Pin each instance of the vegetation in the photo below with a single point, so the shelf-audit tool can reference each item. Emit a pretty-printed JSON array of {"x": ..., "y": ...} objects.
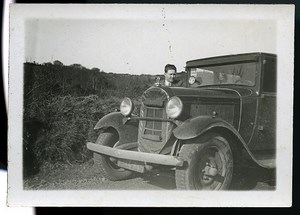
[{"x": 63, "y": 103}]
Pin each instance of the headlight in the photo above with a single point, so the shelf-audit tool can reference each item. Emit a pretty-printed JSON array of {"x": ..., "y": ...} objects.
[
  {"x": 174, "y": 107},
  {"x": 126, "y": 106}
]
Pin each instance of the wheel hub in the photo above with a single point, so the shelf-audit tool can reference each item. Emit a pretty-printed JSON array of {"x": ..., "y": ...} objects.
[{"x": 209, "y": 171}]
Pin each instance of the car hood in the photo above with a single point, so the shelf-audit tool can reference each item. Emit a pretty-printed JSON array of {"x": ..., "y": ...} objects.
[{"x": 210, "y": 92}]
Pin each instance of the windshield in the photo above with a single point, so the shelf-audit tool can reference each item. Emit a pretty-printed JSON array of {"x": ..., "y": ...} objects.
[{"x": 239, "y": 74}]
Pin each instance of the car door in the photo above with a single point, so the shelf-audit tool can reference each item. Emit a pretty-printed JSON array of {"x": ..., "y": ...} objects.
[{"x": 266, "y": 124}]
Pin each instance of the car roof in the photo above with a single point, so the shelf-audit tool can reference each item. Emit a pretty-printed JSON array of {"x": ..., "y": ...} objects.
[{"x": 227, "y": 59}]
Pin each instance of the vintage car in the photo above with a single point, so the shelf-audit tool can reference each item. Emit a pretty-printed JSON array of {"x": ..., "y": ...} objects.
[{"x": 222, "y": 122}]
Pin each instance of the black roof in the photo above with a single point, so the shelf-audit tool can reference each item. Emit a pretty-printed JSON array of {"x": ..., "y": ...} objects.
[{"x": 227, "y": 59}]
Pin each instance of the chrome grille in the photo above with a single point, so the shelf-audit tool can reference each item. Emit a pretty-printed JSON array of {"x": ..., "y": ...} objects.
[
  {"x": 151, "y": 126},
  {"x": 153, "y": 134}
]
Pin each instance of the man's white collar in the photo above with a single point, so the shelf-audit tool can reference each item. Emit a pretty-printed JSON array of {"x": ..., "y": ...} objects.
[{"x": 167, "y": 83}]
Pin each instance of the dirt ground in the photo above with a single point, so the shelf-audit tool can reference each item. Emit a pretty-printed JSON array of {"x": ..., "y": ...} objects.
[{"x": 87, "y": 177}]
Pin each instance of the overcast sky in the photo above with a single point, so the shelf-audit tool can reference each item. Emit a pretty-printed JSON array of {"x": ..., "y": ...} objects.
[{"x": 143, "y": 46}]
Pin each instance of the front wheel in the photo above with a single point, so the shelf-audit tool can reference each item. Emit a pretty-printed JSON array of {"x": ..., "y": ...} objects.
[
  {"x": 106, "y": 164},
  {"x": 209, "y": 165}
]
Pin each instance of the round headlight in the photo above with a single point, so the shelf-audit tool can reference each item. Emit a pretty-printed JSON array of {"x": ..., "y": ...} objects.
[
  {"x": 126, "y": 106},
  {"x": 174, "y": 107}
]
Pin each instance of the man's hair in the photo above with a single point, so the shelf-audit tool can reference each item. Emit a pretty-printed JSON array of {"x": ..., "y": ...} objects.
[{"x": 170, "y": 66}]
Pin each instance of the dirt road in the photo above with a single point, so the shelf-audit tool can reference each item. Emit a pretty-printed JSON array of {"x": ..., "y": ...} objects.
[{"x": 83, "y": 177}]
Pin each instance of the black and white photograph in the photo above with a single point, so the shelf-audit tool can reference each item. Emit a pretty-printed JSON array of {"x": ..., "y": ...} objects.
[{"x": 150, "y": 105}]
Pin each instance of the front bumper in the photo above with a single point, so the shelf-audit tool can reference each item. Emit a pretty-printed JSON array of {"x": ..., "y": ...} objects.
[{"x": 136, "y": 156}]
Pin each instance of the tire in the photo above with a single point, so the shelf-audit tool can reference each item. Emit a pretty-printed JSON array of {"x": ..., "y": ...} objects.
[
  {"x": 209, "y": 165},
  {"x": 103, "y": 163}
]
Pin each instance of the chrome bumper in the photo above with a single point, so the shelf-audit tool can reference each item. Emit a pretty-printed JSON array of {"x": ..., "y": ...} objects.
[{"x": 136, "y": 156}]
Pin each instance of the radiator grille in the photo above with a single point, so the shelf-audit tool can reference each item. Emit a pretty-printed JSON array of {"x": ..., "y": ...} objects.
[
  {"x": 154, "y": 134},
  {"x": 151, "y": 126}
]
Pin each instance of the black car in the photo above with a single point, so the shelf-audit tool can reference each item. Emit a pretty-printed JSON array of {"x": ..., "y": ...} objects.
[{"x": 222, "y": 122}]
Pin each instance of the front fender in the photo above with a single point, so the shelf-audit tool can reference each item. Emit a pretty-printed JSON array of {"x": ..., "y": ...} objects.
[
  {"x": 197, "y": 126},
  {"x": 194, "y": 127},
  {"x": 128, "y": 132}
]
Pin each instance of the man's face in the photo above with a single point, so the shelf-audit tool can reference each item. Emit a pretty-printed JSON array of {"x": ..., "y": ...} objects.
[
  {"x": 170, "y": 75},
  {"x": 222, "y": 77}
]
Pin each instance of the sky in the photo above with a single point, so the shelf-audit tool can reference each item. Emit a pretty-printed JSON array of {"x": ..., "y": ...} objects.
[{"x": 143, "y": 46}]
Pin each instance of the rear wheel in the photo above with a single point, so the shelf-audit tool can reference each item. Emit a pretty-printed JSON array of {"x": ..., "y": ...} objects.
[
  {"x": 106, "y": 164},
  {"x": 209, "y": 165}
]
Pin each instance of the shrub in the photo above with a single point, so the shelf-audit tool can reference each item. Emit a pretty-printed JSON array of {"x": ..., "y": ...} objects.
[{"x": 67, "y": 125}]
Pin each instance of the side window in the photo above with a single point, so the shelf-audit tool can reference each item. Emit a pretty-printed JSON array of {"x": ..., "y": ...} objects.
[{"x": 270, "y": 74}]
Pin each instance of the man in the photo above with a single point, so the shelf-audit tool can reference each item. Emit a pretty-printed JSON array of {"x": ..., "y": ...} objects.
[
  {"x": 170, "y": 77},
  {"x": 222, "y": 78}
]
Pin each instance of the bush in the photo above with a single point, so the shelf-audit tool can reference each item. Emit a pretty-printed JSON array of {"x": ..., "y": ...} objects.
[{"x": 68, "y": 124}]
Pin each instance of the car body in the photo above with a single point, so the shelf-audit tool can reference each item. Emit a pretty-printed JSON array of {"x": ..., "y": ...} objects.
[{"x": 222, "y": 122}]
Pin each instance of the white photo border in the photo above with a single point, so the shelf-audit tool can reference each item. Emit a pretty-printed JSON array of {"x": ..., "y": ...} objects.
[{"x": 281, "y": 197}]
